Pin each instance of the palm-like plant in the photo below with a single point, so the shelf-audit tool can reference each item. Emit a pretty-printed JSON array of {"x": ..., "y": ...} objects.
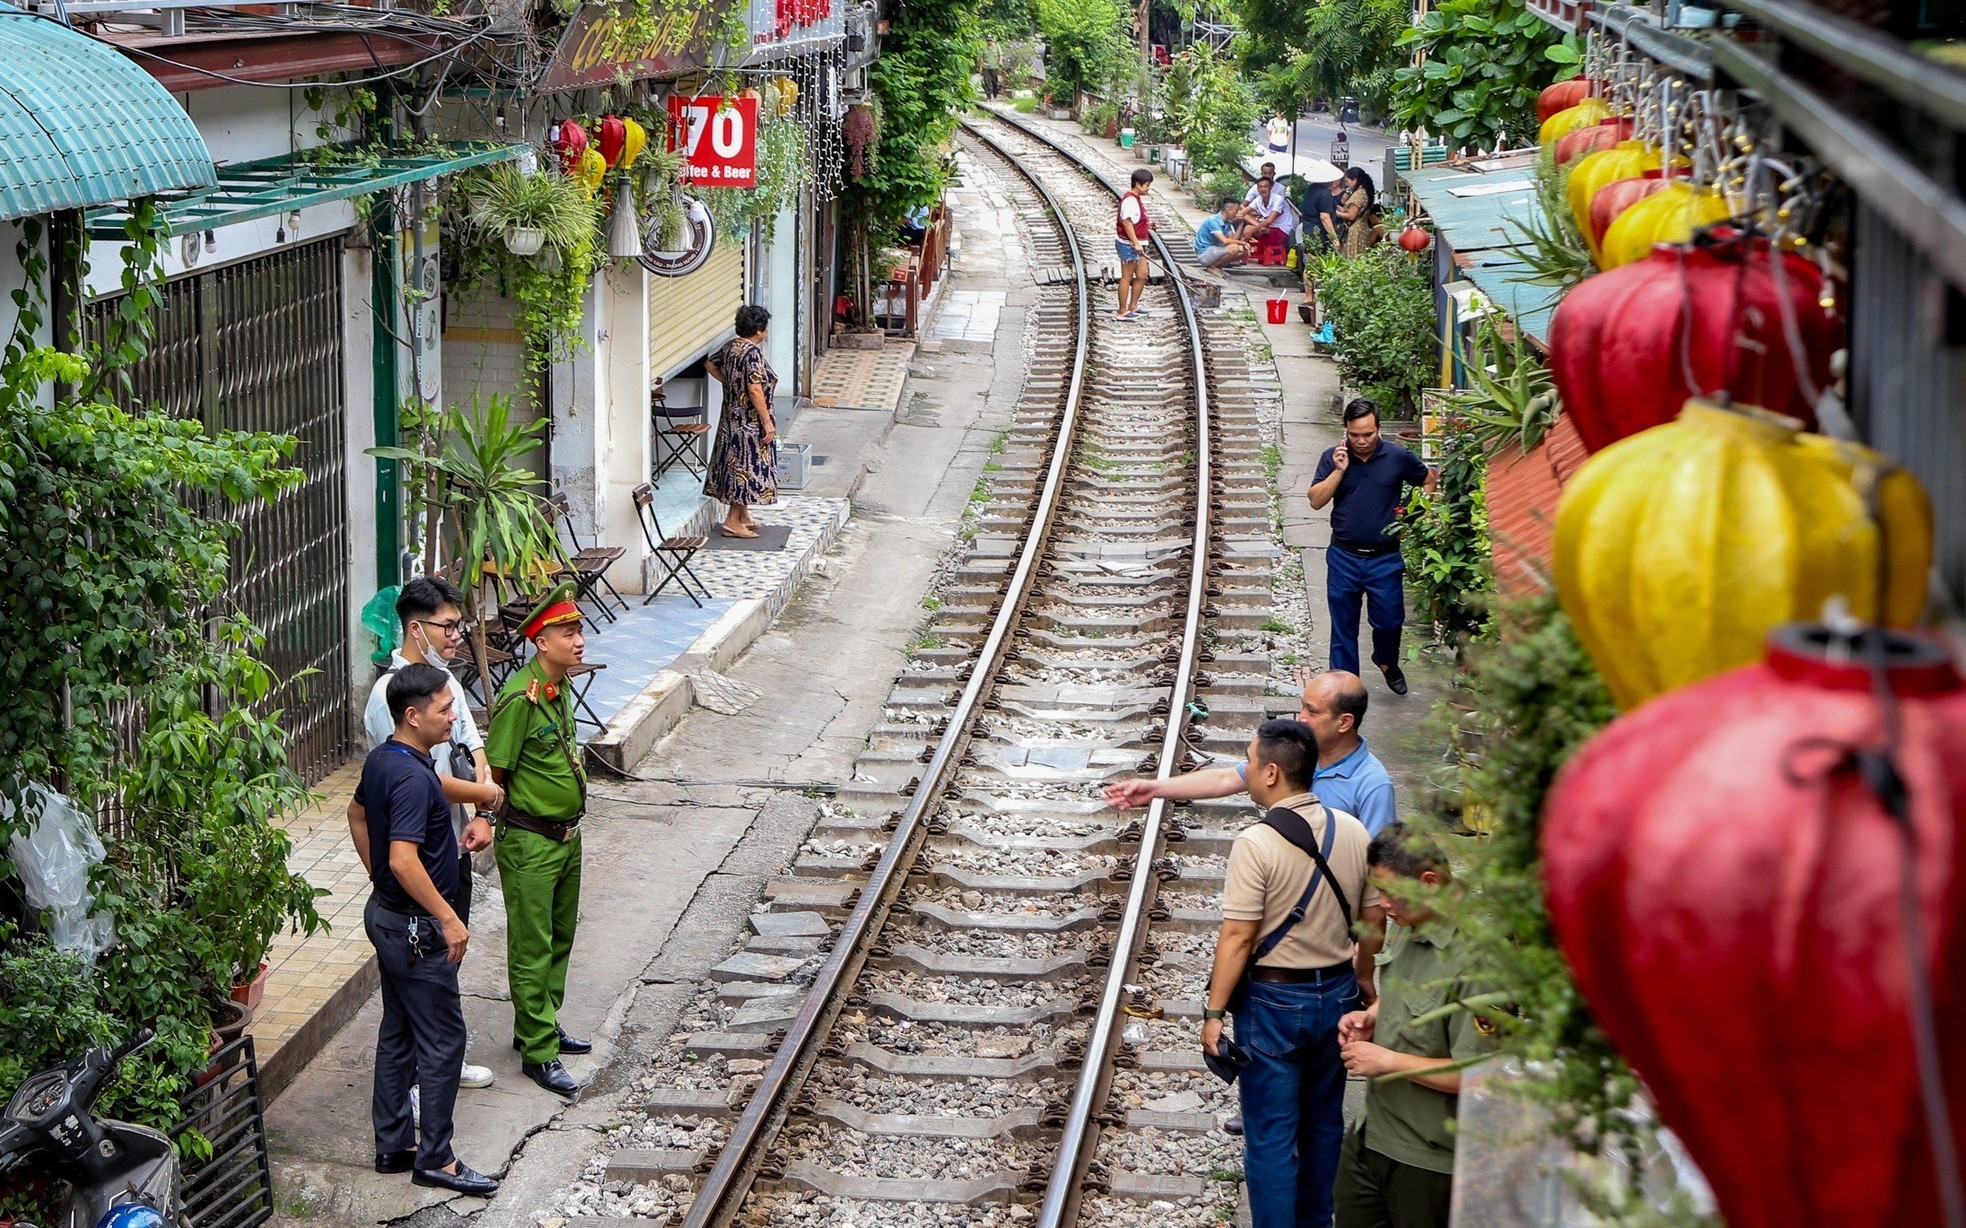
[{"x": 492, "y": 504}]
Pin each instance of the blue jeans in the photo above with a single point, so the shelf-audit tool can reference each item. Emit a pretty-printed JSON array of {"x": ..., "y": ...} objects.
[
  {"x": 1376, "y": 581},
  {"x": 1128, "y": 252},
  {"x": 1293, "y": 1099}
]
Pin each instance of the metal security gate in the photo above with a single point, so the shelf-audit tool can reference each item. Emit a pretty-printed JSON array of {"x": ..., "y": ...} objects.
[{"x": 257, "y": 346}]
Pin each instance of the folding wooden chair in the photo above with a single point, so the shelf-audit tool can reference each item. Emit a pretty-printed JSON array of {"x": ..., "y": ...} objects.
[
  {"x": 679, "y": 430},
  {"x": 588, "y": 565},
  {"x": 672, "y": 554}
]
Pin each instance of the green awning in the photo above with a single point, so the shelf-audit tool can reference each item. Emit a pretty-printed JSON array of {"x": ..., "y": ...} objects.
[
  {"x": 81, "y": 125},
  {"x": 248, "y": 191}
]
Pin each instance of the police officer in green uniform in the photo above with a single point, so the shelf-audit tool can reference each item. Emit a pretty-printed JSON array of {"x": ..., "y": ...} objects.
[
  {"x": 1397, "y": 1167},
  {"x": 533, "y": 754}
]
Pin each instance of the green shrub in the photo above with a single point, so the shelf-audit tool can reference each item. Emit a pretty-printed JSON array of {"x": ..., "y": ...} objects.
[
  {"x": 1381, "y": 309},
  {"x": 1025, "y": 104}
]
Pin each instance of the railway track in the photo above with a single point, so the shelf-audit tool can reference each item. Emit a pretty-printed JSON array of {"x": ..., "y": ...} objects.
[{"x": 1002, "y": 1029}]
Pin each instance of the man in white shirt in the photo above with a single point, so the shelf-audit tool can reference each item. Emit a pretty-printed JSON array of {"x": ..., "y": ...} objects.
[
  {"x": 1268, "y": 206},
  {"x": 431, "y": 612}
]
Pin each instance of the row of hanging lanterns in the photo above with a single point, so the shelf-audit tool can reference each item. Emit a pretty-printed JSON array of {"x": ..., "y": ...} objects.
[{"x": 1758, "y": 872}]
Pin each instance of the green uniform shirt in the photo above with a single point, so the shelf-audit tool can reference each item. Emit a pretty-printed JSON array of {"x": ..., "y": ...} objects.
[
  {"x": 532, "y": 740},
  {"x": 1403, "y": 1120}
]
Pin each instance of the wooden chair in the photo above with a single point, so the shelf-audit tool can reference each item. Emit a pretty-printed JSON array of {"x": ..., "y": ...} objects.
[
  {"x": 679, "y": 430},
  {"x": 672, "y": 554},
  {"x": 588, "y": 564}
]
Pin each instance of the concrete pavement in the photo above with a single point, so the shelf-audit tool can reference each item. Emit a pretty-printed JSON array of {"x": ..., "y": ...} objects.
[{"x": 676, "y": 857}]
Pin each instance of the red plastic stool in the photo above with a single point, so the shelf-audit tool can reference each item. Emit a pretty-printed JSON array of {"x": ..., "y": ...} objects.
[{"x": 1272, "y": 247}]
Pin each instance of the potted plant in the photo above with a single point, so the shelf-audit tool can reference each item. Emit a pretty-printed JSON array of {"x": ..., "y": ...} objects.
[
  {"x": 491, "y": 502},
  {"x": 532, "y": 211}
]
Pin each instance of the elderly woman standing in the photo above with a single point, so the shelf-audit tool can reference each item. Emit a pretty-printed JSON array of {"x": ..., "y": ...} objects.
[{"x": 744, "y": 459}]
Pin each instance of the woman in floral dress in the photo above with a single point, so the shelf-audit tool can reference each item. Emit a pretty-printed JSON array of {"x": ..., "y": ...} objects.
[{"x": 744, "y": 458}]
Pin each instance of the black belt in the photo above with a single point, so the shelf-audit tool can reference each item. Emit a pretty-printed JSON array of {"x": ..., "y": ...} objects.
[
  {"x": 562, "y": 830},
  {"x": 1367, "y": 551},
  {"x": 1300, "y": 976}
]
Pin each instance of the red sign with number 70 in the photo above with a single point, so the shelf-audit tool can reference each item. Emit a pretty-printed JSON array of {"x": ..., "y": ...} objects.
[{"x": 719, "y": 140}]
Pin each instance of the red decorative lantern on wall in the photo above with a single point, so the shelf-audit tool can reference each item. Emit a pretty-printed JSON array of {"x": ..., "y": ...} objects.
[
  {"x": 1619, "y": 195},
  {"x": 569, "y": 140},
  {"x": 1629, "y": 346},
  {"x": 1415, "y": 239},
  {"x": 1561, "y": 97},
  {"x": 1728, "y": 887},
  {"x": 1574, "y": 145},
  {"x": 611, "y": 138}
]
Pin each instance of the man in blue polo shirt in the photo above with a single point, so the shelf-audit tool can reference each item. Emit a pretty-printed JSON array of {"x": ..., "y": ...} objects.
[
  {"x": 1362, "y": 480},
  {"x": 401, "y": 828},
  {"x": 1215, "y": 239}
]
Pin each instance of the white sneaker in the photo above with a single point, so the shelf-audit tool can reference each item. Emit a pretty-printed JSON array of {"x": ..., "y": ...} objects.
[{"x": 474, "y": 1076}]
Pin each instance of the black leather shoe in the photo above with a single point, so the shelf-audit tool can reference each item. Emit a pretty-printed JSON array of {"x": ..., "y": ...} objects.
[
  {"x": 395, "y": 1161},
  {"x": 1233, "y": 1126},
  {"x": 1395, "y": 678},
  {"x": 568, "y": 1044},
  {"x": 552, "y": 1076},
  {"x": 464, "y": 1181}
]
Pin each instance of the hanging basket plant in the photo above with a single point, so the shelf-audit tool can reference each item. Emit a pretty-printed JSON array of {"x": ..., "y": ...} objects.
[{"x": 863, "y": 134}]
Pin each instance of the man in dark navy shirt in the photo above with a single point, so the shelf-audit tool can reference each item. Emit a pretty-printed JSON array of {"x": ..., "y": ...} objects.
[
  {"x": 401, "y": 826},
  {"x": 1363, "y": 479}
]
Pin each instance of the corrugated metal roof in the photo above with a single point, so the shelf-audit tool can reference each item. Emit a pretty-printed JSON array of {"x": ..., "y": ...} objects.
[
  {"x": 1471, "y": 209},
  {"x": 1506, "y": 283},
  {"x": 81, "y": 125}
]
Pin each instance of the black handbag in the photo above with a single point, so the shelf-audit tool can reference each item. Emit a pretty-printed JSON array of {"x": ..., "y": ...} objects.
[{"x": 1292, "y": 827}]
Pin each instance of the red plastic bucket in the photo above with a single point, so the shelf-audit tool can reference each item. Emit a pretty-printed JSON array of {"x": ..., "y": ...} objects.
[{"x": 1279, "y": 309}]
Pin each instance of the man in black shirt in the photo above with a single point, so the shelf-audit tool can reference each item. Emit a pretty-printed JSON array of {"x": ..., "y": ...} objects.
[
  {"x": 1366, "y": 475},
  {"x": 401, "y": 826}
]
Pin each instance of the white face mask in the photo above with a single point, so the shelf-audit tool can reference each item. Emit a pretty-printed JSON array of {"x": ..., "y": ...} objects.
[{"x": 431, "y": 655}]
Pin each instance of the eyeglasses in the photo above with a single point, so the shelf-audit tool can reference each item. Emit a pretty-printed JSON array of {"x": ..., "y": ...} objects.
[{"x": 450, "y": 627}]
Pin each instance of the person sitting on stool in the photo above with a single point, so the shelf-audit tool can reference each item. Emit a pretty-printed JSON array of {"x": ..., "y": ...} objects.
[
  {"x": 401, "y": 827},
  {"x": 1362, "y": 479}
]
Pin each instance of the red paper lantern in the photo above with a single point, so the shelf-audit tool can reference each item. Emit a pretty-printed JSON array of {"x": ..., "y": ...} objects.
[
  {"x": 569, "y": 141},
  {"x": 1561, "y": 97},
  {"x": 1727, "y": 889},
  {"x": 1575, "y": 144},
  {"x": 1619, "y": 195},
  {"x": 1415, "y": 239},
  {"x": 611, "y": 138},
  {"x": 1629, "y": 346}
]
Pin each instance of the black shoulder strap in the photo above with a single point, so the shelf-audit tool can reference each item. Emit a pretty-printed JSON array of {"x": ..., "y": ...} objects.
[{"x": 1292, "y": 827}]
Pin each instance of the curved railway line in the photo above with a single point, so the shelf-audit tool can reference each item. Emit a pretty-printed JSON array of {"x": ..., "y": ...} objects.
[{"x": 1003, "y": 1028}]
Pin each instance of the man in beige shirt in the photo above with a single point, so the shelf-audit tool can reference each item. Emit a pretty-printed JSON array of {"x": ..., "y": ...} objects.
[{"x": 1301, "y": 982}]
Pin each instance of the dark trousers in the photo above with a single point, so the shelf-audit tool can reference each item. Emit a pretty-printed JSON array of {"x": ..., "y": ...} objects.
[
  {"x": 1377, "y": 1191},
  {"x": 421, "y": 1041},
  {"x": 1293, "y": 1099},
  {"x": 1375, "y": 581}
]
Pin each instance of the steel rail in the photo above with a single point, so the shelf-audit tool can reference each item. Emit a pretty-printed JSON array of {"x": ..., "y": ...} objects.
[
  {"x": 1075, "y": 1144},
  {"x": 730, "y": 1178}
]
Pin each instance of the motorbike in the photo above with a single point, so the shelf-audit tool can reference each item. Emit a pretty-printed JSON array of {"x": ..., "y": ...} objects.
[{"x": 119, "y": 1175}]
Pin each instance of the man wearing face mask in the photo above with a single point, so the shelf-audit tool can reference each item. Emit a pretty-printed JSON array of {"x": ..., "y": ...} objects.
[{"x": 431, "y": 611}]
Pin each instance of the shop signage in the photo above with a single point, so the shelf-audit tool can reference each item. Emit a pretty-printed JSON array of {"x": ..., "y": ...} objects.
[
  {"x": 718, "y": 138},
  {"x": 600, "y": 47}
]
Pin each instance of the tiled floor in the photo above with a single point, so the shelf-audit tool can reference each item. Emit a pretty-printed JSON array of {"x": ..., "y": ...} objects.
[
  {"x": 863, "y": 379},
  {"x": 304, "y": 974}
]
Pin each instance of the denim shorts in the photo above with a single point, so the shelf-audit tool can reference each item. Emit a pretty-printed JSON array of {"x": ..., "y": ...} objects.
[{"x": 1128, "y": 252}]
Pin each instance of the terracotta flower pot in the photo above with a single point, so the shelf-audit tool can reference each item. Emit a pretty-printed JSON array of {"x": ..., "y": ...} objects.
[{"x": 249, "y": 993}]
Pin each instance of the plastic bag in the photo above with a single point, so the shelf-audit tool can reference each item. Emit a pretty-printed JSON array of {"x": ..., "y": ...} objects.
[
  {"x": 379, "y": 616},
  {"x": 53, "y": 858}
]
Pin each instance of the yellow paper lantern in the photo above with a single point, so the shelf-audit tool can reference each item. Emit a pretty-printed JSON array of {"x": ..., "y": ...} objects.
[
  {"x": 634, "y": 140},
  {"x": 1679, "y": 548},
  {"x": 591, "y": 170},
  {"x": 1589, "y": 111},
  {"x": 1670, "y": 215},
  {"x": 1625, "y": 160}
]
